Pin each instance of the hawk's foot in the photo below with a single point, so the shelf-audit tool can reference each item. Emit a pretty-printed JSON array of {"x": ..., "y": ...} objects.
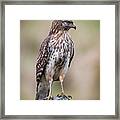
[
  {"x": 64, "y": 96},
  {"x": 48, "y": 98}
]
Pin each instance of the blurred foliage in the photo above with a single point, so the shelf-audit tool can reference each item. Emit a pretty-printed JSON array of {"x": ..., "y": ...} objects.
[{"x": 82, "y": 81}]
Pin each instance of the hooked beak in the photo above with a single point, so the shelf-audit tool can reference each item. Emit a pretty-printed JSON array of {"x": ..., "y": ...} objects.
[
  {"x": 74, "y": 27},
  {"x": 67, "y": 27}
]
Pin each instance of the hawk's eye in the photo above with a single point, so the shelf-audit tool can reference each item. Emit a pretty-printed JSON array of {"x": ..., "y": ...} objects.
[
  {"x": 65, "y": 23},
  {"x": 70, "y": 22}
]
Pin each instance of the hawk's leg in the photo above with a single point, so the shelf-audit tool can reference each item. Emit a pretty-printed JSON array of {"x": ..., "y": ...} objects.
[
  {"x": 61, "y": 81},
  {"x": 50, "y": 92},
  {"x": 63, "y": 93}
]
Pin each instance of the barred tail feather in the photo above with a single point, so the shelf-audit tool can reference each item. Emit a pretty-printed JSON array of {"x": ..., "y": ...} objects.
[{"x": 42, "y": 88}]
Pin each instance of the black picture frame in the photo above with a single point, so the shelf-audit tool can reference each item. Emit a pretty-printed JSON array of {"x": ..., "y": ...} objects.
[{"x": 2, "y": 96}]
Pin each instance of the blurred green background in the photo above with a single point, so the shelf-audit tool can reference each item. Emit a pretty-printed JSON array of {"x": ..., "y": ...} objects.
[{"x": 82, "y": 81}]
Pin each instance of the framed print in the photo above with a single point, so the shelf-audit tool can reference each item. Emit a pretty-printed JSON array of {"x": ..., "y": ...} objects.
[{"x": 57, "y": 56}]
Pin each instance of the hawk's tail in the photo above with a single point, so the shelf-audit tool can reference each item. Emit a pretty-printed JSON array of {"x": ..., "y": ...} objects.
[{"x": 42, "y": 89}]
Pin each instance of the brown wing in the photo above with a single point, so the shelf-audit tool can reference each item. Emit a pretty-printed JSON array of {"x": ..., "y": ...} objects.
[
  {"x": 72, "y": 53},
  {"x": 42, "y": 59}
]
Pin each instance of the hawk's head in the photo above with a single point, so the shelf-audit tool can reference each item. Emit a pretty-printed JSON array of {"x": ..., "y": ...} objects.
[{"x": 61, "y": 25}]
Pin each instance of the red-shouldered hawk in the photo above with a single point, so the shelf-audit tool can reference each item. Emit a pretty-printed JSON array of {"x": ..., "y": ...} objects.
[{"x": 55, "y": 55}]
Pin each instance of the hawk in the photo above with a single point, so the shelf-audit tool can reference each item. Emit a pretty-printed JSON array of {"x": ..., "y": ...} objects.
[{"x": 55, "y": 56}]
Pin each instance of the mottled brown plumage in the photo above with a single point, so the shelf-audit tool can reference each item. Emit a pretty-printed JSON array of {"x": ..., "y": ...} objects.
[{"x": 55, "y": 54}]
